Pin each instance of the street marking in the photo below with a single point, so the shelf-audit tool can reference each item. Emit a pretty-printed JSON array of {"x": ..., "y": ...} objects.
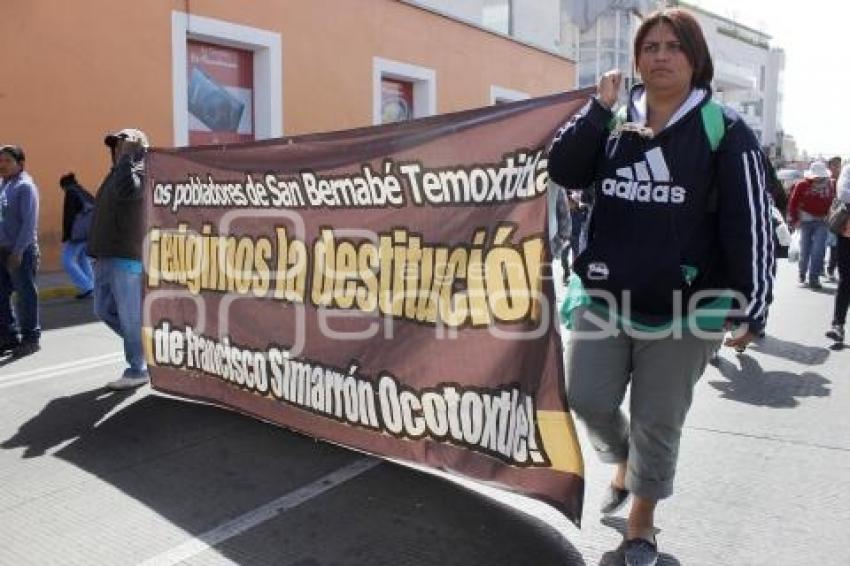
[
  {"x": 59, "y": 369},
  {"x": 251, "y": 519}
]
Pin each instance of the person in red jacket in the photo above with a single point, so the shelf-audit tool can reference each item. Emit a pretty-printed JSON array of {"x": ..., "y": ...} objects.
[{"x": 807, "y": 211}]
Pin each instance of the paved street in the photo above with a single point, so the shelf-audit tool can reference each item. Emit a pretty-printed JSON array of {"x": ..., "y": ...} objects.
[{"x": 92, "y": 477}]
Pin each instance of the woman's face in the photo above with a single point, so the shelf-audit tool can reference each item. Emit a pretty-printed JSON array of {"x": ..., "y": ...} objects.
[{"x": 662, "y": 62}]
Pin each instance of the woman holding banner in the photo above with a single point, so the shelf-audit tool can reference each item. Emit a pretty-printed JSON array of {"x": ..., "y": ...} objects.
[{"x": 679, "y": 249}]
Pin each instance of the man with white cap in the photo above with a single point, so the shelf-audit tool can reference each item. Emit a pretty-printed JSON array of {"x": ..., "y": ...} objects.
[
  {"x": 808, "y": 208},
  {"x": 115, "y": 241}
]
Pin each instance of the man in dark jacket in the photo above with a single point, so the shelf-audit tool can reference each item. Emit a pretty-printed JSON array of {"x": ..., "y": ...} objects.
[
  {"x": 77, "y": 211},
  {"x": 115, "y": 241}
]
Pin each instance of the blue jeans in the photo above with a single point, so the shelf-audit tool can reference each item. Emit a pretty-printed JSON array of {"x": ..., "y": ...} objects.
[
  {"x": 25, "y": 325},
  {"x": 118, "y": 303},
  {"x": 77, "y": 265},
  {"x": 812, "y": 248}
]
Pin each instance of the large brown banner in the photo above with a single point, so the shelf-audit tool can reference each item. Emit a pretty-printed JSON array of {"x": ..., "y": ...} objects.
[{"x": 383, "y": 288}]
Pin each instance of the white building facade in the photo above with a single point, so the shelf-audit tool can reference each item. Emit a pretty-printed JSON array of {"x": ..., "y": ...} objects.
[
  {"x": 748, "y": 75},
  {"x": 748, "y": 72},
  {"x": 539, "y": 23}
]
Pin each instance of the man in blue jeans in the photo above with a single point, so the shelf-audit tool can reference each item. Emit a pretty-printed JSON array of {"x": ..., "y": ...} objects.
[
  {"x": 115, "y": 241},
  {"x": 808, "y": 208},
  {"x": 19, "y": 255}
]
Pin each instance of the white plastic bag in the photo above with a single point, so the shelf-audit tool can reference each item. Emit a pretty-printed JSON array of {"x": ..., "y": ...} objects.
[
  {"x": 783, "y": 234},
  {"x": 794, "y": 247}
]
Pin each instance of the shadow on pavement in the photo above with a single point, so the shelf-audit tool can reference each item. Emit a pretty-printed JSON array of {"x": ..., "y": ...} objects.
[
  {"x": 199, "y": 466},
  {"x": 779, "y": 389},
  {"x": 6, "y": 359},
  {"x": 776, "y": 347},
  {"x": 64, "y": 418},
  {"x": 615, "y": 557},
  {"x": 65, "y": 312}
]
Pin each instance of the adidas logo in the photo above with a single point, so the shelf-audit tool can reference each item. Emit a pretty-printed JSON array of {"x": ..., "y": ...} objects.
[{"x": 645, "y": 181}]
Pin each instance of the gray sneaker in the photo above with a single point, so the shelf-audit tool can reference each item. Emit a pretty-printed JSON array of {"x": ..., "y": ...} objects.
[
  {"x": 128, "y": 381},
  {"x": 641, "y": 552}
]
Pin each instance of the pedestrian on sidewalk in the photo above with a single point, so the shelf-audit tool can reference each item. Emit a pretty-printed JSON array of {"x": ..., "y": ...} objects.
[
  {"x": 842, "y": 295},
  {"x": 115, "y": 241},
  {"x": 77, "y": 212},
  {"x": 834, "y": 166},
  {"x": 20, "y": 331},
  {"x": 808, "y": 207},
  {"x": 681, "y": 208}
]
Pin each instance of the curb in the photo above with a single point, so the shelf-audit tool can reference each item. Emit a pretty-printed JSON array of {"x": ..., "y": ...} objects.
[{"x": 60, "y": 292}]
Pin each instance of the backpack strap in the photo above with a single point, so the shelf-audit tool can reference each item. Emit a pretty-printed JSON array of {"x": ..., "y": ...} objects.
[
  {"x": 715, "y": 128},
  {"x": 712, "y": 122}
]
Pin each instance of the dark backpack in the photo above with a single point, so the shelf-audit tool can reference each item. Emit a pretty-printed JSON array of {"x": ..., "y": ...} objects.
[{"x": 82, "y": 223}]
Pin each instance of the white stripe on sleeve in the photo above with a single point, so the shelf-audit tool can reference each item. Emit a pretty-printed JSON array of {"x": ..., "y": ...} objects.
[{"x": 758, "y": 228}]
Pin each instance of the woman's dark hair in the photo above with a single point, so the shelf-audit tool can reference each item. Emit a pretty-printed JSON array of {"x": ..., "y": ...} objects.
[
  {"x": 687, "y": 30},
  {"x": 15, "y": 152}
]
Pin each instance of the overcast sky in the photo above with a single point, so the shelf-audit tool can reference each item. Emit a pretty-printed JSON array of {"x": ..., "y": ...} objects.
[{"x": 816, "y": 38}]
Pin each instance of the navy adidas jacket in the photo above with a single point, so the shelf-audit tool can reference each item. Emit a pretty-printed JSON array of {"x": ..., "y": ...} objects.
[{"x": 670, "y": 214}]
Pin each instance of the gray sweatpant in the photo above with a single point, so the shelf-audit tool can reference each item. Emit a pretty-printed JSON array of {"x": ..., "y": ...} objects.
[{"x": 662, "y": 373}]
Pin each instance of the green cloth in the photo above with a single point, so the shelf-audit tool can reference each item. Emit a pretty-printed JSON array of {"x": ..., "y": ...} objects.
[{"x": 710, "y": 317}]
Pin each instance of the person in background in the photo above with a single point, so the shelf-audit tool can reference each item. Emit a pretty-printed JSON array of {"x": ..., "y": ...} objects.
[
  {"x": 808, "y": 208},
  {"x": 651, "y": 240},
  {"x": 834, "y": 166},
  {"x": 77, "y": 211},
  {"x": 115, "y": 241},
  {"x": 561, "y": 241},
  {"x": 579, "y": 212},
  {"x": 20, "y": 332},
  {"x": 777, "y": 191},
  {"x": 842, "y": 295}
]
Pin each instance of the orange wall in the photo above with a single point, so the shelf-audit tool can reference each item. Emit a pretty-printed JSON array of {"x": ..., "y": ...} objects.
[{"x": 91, "y": 67}]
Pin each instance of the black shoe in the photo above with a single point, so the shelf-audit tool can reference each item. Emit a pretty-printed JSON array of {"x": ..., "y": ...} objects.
[
  {"x": 802, "y": 278},
  {"x": 815, "y": 284},
  {"x": 8, "y": 346},
  {"x": 25, "y": 349},
  {"x": 614, "y": 500},
  {"x": 84, "y": 294},
  {"x": 836, "y": 333}
]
